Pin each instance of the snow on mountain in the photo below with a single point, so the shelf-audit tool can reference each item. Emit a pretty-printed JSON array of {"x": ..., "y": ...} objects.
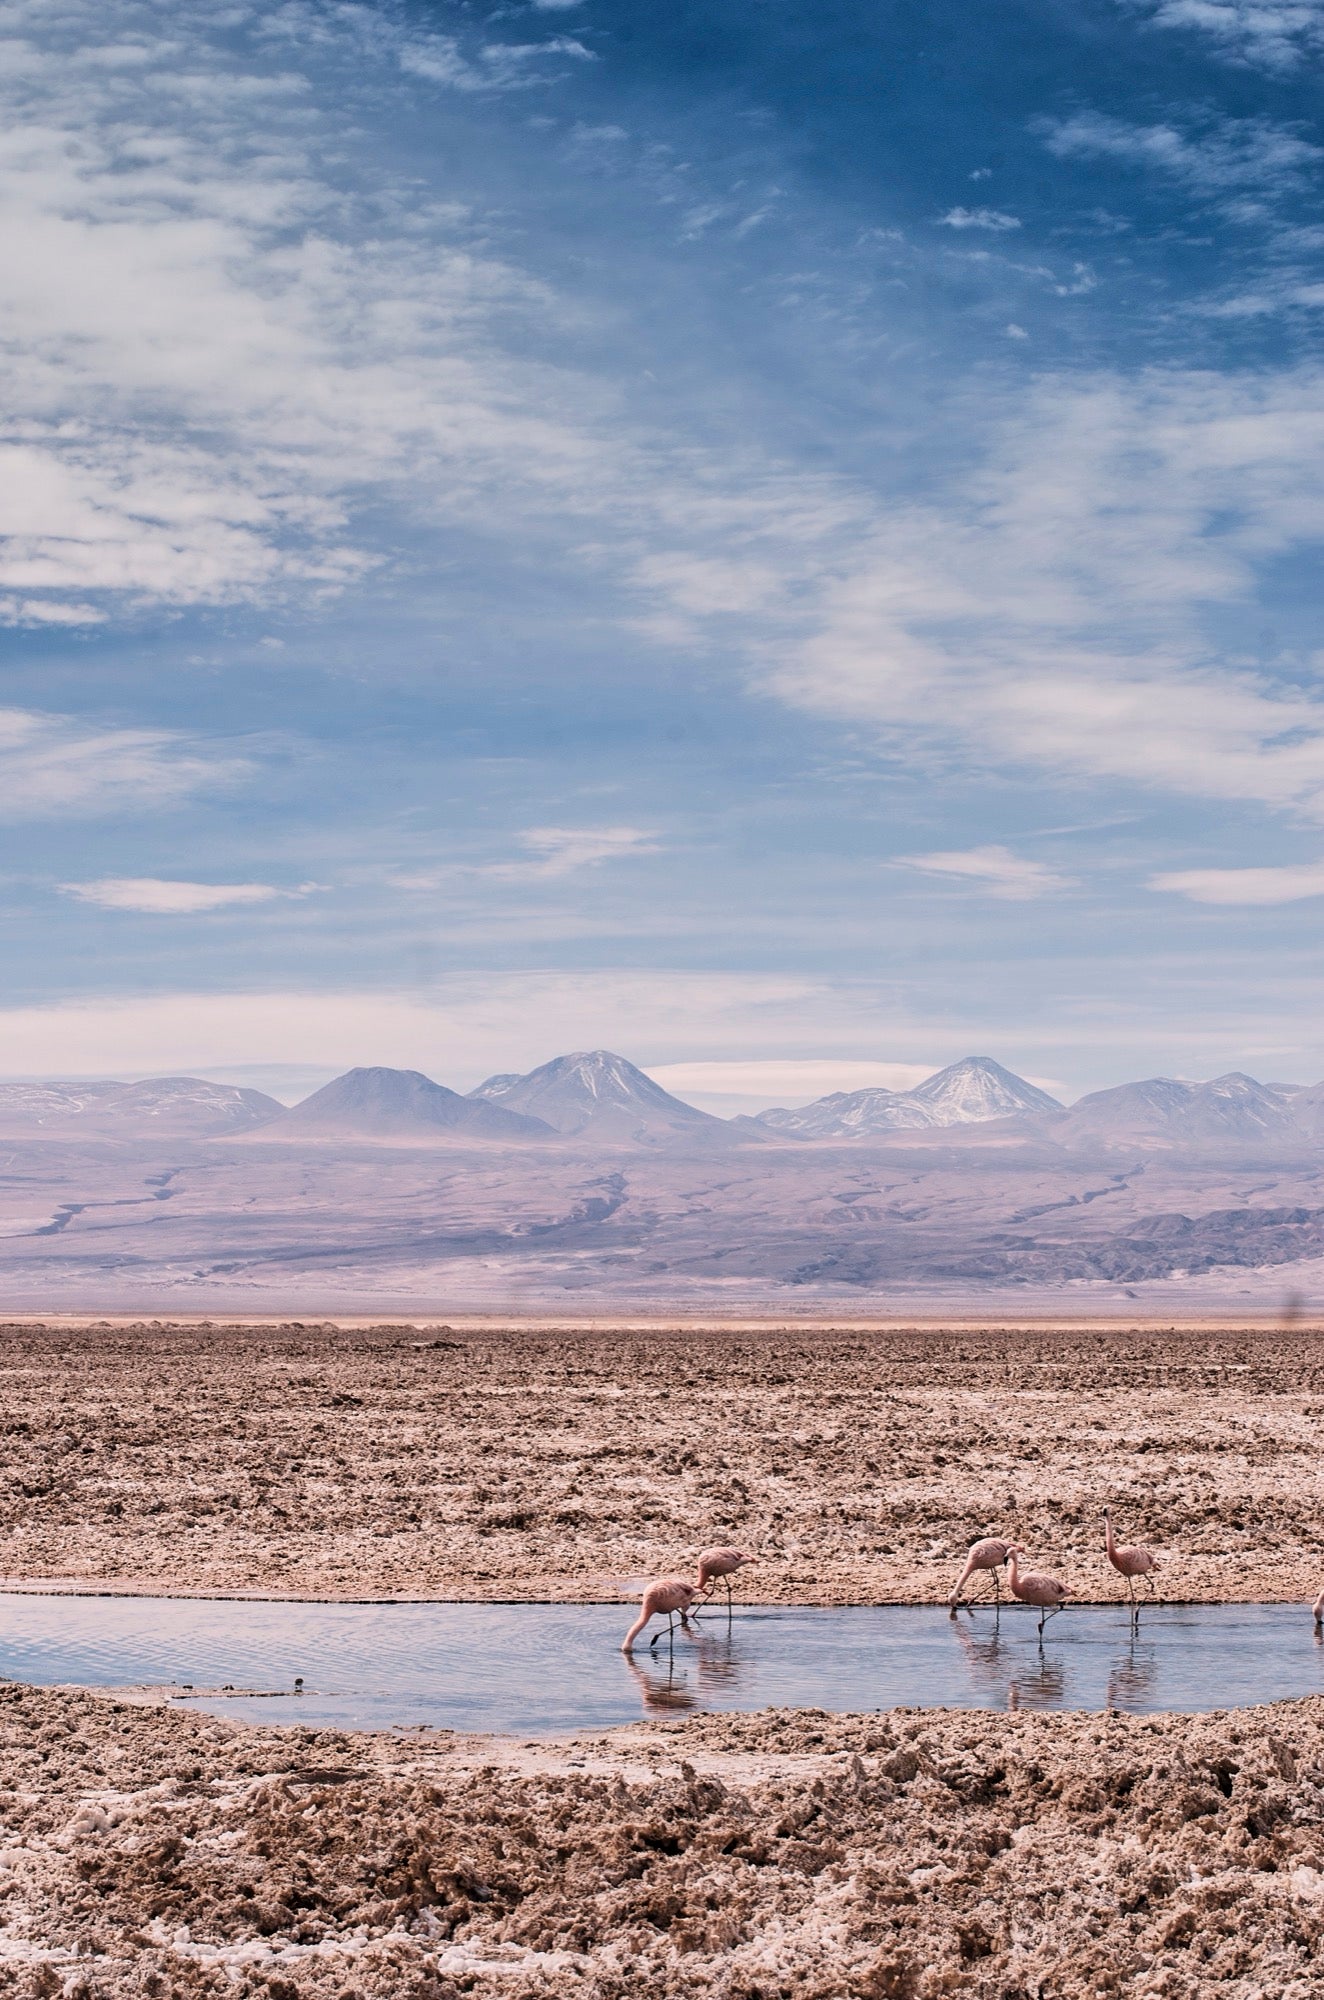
[
  {"x": 976, "y": 1089},
  {"x": 162, "y": 1106},
  {"x": 1230, "y": 1108},
  {"x": 847, "y": 1114},
  {"x": 602, "y": 1096},
  {"x": 970, "y": 1092},
  {"x": 1305, "y": 1108},
  {"x": 395, "y": 1104}
]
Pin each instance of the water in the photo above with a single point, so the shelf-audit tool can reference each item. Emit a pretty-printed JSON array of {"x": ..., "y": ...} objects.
[{"x": 539, "y": 1668}]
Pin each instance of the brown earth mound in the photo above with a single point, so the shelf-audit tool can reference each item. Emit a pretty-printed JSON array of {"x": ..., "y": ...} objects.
[{"x": 781, "y": 1856}]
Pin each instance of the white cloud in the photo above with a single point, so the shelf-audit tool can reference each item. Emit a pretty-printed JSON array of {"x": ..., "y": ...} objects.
[
  {"x": 1052, "y": 608},
  {"x": 52, "y": 767},
  {"x": 224, "y": 332},
  {"x": 223, "y": 328},
  {"x": 1235, "y": 153},
  {"x": 554, "y": 851},
  {"x": 1263, "y": 886},
  {"x": 1265, "y": 34},
  {"x": 979, "y": 218},
  {"x": 560, "y": 850},
  {"x": 163, "y": 898},
  {"x": 994, "y": 869}
]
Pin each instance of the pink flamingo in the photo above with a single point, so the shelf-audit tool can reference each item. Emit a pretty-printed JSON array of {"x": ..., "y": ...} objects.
[
  {"x": 720, "y": 1565},
  {"x": 1048, "y": 1592},
  {"x": 1131, "y": 1563},
  {"x": 668, "y": 1596},
  {"x": 990, "y": 1554},
  {"x": 1318, "y": 1609}
]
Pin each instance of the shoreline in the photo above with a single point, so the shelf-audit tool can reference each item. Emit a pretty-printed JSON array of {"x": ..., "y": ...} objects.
[{"x": 90, "y": 1587}]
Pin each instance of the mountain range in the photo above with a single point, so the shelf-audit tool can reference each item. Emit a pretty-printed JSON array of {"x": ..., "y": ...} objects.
[
  {"x": 596, "y": 1099},
  {"x": 584, "y": 1177}
]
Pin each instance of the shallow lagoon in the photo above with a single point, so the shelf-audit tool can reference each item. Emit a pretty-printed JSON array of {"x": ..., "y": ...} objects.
[{"x": 539, "y": 1668}]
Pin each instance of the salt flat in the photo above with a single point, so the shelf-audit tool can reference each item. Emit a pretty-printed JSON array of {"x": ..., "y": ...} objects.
[{"x": 567, "y": 1461}]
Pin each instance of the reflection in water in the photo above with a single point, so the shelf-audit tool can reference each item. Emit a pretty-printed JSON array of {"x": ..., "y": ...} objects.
[
  {"x": 1001, "y": 1672},
  {"x": 664, "y": 1689},
  {"x": 701, "y": 1667},
  {"x": 1133, "y": 1676}
]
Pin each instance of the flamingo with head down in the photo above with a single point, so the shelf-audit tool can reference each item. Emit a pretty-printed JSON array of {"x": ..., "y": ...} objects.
[
  {"x": 1048, "y": 1592},
  {"x": 664, "y": 1598},
  {"x": 986, "y": 1555}
]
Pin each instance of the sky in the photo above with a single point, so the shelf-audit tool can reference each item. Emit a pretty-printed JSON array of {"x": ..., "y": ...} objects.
[{"x": 780, "y": 540}]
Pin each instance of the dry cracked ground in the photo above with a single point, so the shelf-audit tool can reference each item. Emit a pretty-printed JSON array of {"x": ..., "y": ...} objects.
[
  {"x": 779, "y": 1856},
  {"x": 563, "y": 1463},
  {"x": 790, "y": 1855}
]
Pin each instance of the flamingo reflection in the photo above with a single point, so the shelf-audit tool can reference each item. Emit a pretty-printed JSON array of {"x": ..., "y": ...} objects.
[
  {"x": 1132, "y": 1677},
  {"x": 994, "y": 1669}
]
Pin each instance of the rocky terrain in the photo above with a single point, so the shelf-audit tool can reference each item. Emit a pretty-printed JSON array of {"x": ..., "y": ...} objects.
[
  {"x": 425, "y": 1460},
  {"x": 780, "y": 1856}
]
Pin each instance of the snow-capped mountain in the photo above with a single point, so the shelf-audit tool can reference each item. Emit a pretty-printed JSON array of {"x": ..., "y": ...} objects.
[
  {"x": 159, "y": 1107},
  {"x": 970, "y": 1092},
  {"x": 599, "y": 1095},
  {"x": 848, "y": 1114},
  {"x": 395, "y": 1104},
  {"x": 1167, "y": 1109},
  {"x": 976, "y": 1089}
]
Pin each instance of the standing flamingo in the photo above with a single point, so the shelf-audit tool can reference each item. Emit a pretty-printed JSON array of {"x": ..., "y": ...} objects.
[
  {"x": 1048, "y": 1592},
  {"x": 990, "y": 1554},
  {"x": 668, "y": 1596},
  {"x": 720, "y": 1565},
  {"x": 1131, "y": 1563},
  {"x": 1318, "y": 1609}
]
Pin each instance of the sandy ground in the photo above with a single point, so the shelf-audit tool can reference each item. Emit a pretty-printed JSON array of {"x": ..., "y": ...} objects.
[
  {"x": 782, "y": 1856},
  {"x": 569, "y": 1463}
]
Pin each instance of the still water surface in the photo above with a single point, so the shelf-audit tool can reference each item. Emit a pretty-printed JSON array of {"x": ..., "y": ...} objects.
[{"x": 538, "y": 1668}]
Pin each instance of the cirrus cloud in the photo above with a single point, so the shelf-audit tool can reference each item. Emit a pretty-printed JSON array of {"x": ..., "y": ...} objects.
[
  {"x": 996, "y": 870},
  {"x": 1266, "y": 887},
  {"x": 156, "y": 897}
]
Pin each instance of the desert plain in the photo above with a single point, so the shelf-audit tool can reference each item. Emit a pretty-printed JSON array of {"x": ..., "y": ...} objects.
[{"x": 149, "y": 1850}]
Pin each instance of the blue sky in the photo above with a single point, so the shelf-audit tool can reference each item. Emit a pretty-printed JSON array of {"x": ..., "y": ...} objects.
[{"x": 783, "y": 540}]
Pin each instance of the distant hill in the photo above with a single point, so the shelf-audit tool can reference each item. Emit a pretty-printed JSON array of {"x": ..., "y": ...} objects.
[
  {"x": 1232, "y": 1109},
  {"x": 974, "y": 1091},
  {"x": 595, "y": 1094},
  {"x": 399, "y": 1105},
  {"x": 160, "y": 1107}
]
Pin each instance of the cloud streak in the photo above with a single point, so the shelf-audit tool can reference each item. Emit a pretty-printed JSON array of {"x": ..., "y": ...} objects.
[
  {"x": 152, "y": 896},
  {"x": 52, "y": 767},
  {"x": 992, "y": 869},
  {"x": 1264, "y": 888}
]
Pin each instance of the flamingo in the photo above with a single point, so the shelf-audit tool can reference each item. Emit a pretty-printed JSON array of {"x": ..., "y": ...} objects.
[
  {"x": 1318, "y": 1609},
  {"x": 667, "y": 1595},
  {"x": 1131, "y": 1563},
  {"x": 720, "y": 1564},
  {"x": 990, "y": 1554},
  {"x": 1048, "y": 1592}
]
